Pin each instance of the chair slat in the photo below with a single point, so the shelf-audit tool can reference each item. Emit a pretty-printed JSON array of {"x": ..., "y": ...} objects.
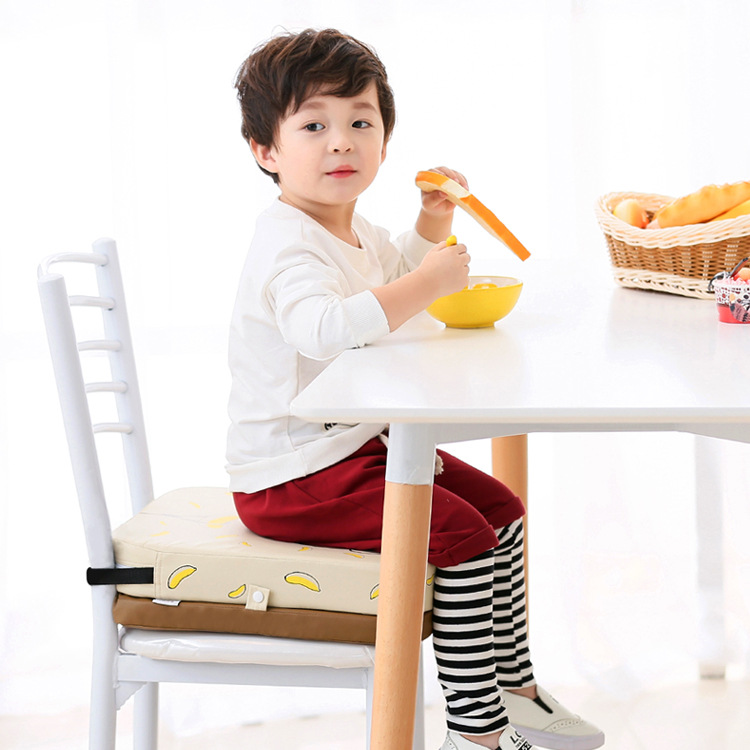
[
  {"x": 84, "y": 300},
  {"x": 97, "y": 259},
  {"x": 114, "y": 386},
  {"x": 94, "y": 345},
  {"x": 122, "y": 427}
]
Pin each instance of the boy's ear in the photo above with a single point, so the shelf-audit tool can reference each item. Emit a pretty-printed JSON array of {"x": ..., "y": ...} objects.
[
  {"x": 382, "y": 153},
  {"x": 264, "y": 155}
]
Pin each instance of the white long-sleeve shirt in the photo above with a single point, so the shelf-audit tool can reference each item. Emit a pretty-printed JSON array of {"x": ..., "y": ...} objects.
[{"x": 304, "y": 297}]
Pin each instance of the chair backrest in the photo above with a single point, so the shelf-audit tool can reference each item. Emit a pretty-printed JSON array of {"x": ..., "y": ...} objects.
[{"x": 67, "y": 350}]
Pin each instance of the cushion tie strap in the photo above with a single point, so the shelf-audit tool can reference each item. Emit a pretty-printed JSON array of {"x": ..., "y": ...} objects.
[{"x": 117, "y": 576}]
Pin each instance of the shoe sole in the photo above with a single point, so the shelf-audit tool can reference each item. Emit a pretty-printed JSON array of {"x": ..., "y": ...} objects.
[{"x": 553, "y": 741}]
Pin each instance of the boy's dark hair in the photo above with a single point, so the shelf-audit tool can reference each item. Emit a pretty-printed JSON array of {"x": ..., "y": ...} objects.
[{"x": 280, "y": 75}]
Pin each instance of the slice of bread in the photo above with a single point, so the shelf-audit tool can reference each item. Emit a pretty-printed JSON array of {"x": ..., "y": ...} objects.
[{"x": 430, "y": 181}]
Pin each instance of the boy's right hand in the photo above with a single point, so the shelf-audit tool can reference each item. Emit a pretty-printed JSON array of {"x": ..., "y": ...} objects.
[{"x": 445, "y": 269}]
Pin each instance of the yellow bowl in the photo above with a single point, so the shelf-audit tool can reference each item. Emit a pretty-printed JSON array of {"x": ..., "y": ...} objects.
[{"x": 486, "y": 300}]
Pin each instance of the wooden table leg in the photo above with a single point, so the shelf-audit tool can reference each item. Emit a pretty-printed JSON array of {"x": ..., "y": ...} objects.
[
  {"x": 403, "y": 564},
  {"x": 510, "y": 464}
]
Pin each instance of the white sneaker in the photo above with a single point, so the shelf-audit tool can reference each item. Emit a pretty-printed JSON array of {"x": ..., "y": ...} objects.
[
  {"x": 549, "y": 724},
  {"x": 509, "y": 740}
]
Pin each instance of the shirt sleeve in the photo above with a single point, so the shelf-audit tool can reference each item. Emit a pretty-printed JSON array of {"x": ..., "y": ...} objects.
[
  {"x": 413, "y": 248},
  {"x": 310, "y": 303},
  {"x": 404, "y": 254}
]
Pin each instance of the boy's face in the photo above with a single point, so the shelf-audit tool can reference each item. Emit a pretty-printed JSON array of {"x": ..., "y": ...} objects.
[{"x": 329, "y": 151}]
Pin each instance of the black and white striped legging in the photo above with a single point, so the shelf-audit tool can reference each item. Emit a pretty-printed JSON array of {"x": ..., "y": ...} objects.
[{"x": 479, "y": 634}]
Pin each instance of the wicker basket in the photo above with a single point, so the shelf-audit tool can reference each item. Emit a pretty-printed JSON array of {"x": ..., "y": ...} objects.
[{"x": 679, "y": 260}]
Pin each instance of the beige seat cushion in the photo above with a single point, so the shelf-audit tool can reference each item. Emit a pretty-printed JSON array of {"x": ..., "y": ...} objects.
[{"x": 201, "y": 552}]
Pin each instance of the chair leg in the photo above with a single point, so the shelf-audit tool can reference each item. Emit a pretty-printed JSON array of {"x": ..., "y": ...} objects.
[
  {"x": 146, "y": 717},
  {"x": 419, "y": 712},
  {"x": 103, "y": 708},
  {"x": 102, "y": 719},
  {"x": 710, "y": 518},
  {"x": 368, "y": 698}
]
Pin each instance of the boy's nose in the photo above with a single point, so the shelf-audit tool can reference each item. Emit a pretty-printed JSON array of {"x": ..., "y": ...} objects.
[{"x": 340, "y": 142}]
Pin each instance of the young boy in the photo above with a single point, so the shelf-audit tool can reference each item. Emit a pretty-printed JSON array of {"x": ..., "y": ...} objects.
[{"x": 318, "y": 112}]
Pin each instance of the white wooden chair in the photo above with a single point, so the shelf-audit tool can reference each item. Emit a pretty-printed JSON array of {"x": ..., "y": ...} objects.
[{"x": 131, "y": 661}]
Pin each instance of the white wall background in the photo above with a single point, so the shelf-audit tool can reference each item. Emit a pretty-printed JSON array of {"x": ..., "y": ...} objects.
[{"x": 119, "y": 118}]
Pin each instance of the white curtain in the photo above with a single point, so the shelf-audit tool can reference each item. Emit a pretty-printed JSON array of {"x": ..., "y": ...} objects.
[{"x": 120, "y": 119}]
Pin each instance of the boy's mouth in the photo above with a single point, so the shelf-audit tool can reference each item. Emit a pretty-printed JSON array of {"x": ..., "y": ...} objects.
[{"x": 342, "y": 171}]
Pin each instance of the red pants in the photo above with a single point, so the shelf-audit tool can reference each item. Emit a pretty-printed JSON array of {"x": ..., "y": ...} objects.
[{"x": 342, "y": 506}]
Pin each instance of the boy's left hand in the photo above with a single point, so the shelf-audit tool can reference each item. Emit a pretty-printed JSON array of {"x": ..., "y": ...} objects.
[{"x": 436, "y": 203}]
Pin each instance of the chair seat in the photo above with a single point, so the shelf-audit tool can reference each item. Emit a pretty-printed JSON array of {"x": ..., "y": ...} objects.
[{"x": 244, "y": 649}]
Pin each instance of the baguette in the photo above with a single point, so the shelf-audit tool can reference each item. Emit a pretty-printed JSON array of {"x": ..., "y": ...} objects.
[
  {"x": 702, "y": 205},
  {"x": 740, "y": 210}
]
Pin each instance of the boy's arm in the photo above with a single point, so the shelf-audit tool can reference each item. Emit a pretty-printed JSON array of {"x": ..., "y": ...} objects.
[
  {"x": 443, "y": 270},
  {"x": 308, "y": 300}
]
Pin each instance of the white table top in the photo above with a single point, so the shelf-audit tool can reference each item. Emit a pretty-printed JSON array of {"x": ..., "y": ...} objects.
[{"x": 576, "y": 350}]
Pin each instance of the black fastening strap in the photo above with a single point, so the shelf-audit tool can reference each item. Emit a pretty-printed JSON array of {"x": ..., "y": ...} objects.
[{"x": 115, "y": 576}]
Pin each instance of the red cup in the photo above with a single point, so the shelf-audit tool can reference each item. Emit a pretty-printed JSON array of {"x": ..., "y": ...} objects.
[{"x": 732, "y": 300}]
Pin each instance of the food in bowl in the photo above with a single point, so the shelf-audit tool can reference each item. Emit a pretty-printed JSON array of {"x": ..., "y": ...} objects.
[{"x": 481, "y": 304}]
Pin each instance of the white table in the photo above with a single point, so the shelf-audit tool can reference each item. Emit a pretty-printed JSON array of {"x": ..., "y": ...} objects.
[{"x": 577, "y": 354}]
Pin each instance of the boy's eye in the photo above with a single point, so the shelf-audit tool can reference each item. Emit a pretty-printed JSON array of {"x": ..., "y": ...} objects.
[
  {"x": 360, "y": 124},
  {"x": 314, "y": 127}
]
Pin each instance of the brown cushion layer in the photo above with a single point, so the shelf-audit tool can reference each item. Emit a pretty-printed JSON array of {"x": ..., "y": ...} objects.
[{"x": 305, "y": 624}]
